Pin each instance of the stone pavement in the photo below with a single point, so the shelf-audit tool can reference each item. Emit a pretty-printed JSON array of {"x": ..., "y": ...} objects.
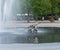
[
  {"x": 41, "y": 46},
  {"x": 26, "y": 24}
]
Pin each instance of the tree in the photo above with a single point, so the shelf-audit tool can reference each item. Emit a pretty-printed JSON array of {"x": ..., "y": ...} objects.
[
  {"x": 26, "y": 8},
  {"x": 41, "y": 8},
  {"x": 54, "y": 8}
]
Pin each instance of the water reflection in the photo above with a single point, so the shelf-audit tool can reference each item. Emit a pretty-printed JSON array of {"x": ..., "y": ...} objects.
[{"x": 20, "y": 35}]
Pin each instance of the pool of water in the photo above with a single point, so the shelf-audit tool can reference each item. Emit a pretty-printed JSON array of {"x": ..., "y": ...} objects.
[{"x": 21, "y": 35}]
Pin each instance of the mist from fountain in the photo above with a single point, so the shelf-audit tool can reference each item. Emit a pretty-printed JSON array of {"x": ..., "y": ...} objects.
[{"x": 8, "y": 11}]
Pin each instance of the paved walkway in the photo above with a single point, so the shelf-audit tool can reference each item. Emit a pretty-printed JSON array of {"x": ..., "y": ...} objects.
[
  {"x": 26, "y": 24},
  {"x": 44, "y": 46}
]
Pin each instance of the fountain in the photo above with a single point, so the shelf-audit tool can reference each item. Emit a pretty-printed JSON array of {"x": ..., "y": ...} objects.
[
  {"x": 8, "y": 11},
  {"x": 8, "y": 31},
  {"x": 32, "y": 34}
]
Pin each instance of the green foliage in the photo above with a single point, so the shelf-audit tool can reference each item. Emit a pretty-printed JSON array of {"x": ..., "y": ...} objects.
[
  {"x": 40, "y": 7},
  {"x": 25, "y": 5},
  {"x": 44, "y": 7}
]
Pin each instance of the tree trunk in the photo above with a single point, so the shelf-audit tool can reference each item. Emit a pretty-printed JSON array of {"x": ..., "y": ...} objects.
[
  {"x": 51, "y": 19},
  {"x": 52, "y": 10}
]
